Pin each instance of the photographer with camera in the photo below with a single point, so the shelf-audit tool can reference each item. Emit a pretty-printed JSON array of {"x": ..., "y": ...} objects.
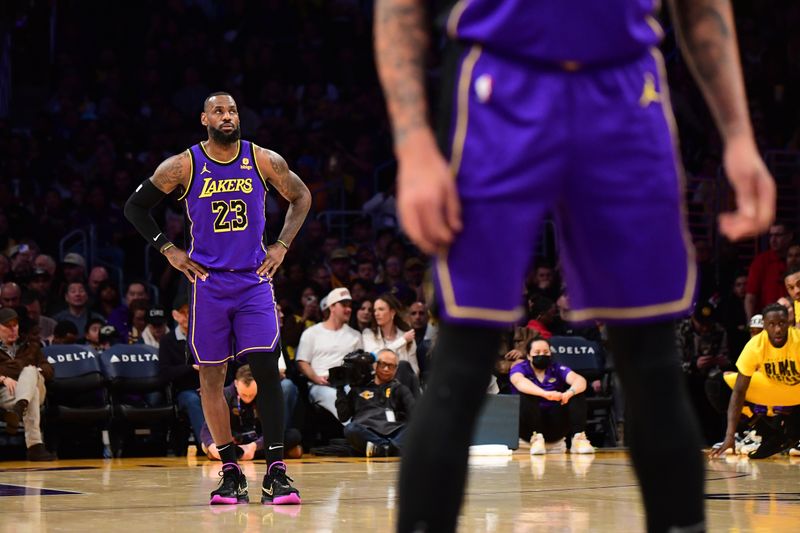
[
  {"x": 379, "y": 406},
  {"x": 324, "y": 345}
]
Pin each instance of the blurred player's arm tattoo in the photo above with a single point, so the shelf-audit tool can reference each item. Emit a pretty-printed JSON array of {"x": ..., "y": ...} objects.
[
  {"x": 708, "y": 39},
  {"x": 172, "y": 173},
  {"x": 401, "y": 45},
  {"x": 290, "y": 186}
]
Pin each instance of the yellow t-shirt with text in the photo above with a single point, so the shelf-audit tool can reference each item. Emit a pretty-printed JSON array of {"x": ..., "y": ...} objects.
[{"x": 781, "y": 365}]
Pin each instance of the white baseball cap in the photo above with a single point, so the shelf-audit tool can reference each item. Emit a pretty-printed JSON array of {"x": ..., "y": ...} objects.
[
  {"x": 335, "y": 296},
  {"x": 757, "y": 321}
]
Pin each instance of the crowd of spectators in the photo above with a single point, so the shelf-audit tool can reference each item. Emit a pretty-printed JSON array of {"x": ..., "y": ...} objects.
[{"x": 97, "y": 104}]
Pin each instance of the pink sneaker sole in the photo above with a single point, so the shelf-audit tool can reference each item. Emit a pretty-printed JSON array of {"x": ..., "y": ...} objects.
[
  {"x": 291, "y": 499},
  {"x": 221, "y": 500}
]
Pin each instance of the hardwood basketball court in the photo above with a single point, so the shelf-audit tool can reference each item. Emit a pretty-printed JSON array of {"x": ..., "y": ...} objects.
[{"x": 518, "y": 493}]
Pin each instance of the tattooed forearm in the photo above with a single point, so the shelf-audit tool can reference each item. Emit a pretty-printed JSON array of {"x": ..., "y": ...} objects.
[
  {"x": 708, "y": 40},
  {"x": 172, "y": 173},
  {"x": 401, "y": 44},
  {"x": 291, "y": 187}
]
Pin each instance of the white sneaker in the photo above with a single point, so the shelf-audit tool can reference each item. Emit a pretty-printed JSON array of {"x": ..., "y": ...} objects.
[
  {"x": 795, "y": 452},
  {"x": 537, "y": 444},
  {"x": 580, "y": 444},
  {"x": 372, "y": 450},
  {"x": 559, "y": 446},
  {"x": 749, "y": 443}
]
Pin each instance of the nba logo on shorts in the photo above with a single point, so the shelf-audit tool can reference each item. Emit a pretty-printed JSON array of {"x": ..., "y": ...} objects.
[{"x": 483, "y": 87}]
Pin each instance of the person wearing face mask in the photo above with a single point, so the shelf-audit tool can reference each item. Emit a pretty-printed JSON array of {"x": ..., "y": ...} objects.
[{"x": 552, "y": 405}]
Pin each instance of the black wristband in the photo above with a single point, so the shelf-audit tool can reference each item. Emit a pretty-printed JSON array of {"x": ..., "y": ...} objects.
[{"x": 137, "y": 211}]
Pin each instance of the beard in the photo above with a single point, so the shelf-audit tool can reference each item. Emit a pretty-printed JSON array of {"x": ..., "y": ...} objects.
[{"x": 219, "y": 136}]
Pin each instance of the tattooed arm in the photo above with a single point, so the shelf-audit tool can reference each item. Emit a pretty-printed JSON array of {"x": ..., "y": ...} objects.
[
  {"x": 172, "y": 173},
  {"x": 708, "y": 40},
  {"x": 427, "y": 200},
  {"x": 401, "y": 44},
  {"x": 291, "y": 187}
]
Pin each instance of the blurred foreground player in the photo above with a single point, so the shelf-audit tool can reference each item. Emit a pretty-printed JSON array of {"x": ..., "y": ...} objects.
[
  {"x": 232, "y": 308},
  {"x": 545, "y": 110}
]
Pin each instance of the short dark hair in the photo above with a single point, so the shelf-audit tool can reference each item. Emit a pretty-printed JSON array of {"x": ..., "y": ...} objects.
[
  {"x": 791, "y": 272},
  {"x": 536, "y": 339},
  {"x": 212, "y": 95},
  {"x": 244, "y": 374},
  {"x": 776, "y": 307},
  {"x": 65, "y": 327}
]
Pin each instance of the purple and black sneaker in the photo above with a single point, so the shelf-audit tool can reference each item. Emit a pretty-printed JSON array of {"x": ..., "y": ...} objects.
[
  {"x": 277, "y": 488},
  {"x": 232, "y": 487}
]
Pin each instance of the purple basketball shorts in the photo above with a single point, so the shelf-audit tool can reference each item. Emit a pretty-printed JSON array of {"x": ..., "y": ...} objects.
[
  {"x": 231, "y": 314},
  {"x": 596, "y": 148}
]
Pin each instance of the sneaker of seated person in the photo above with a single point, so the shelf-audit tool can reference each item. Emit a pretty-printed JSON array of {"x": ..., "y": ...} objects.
[
  {"x": 773, "y": 444},
  {"x": 378, "y": 450},
  {"x": 559, "y": 446},
  {"x": 581, "y": 444},
  {"x": 13, "y": 418},
  {"x": 38, "y": 452},
  {"x": 795, "y": 452},
  {"x": 749, "y": 443},
  {"x": 537, "y": 444}
]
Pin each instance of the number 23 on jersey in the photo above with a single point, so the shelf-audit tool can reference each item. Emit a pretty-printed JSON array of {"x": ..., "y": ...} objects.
[{"x": 221, "y": 208}]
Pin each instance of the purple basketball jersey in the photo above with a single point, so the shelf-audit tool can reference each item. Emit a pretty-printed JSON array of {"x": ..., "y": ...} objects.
[
  {"x": 590, "y": 31},
  {"x": 225, "y": 203}
]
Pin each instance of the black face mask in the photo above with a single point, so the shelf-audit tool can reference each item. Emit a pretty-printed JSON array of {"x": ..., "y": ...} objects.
[{"x": 540, "y": 362}]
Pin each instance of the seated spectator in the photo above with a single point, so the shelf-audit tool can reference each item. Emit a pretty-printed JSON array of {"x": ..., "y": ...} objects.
[
  {"x": 290, "y": 391},
  {"x": 10, "y": 294},
  {"x": 107, "y": 300},
  {"x": 379, "y": 410},
  {"x": 97, "y": 276},
  {"x": 703, "y": 344},
  {"x": 77, "y": 310},
  {"x": 40, "y": 284},
  {"x": 791, "y": 281},
  {"x": 323, "y": 346},
  {"x": 339, "y": 262},
  {"x": 552, "y": 405},
  {"x": 388, "y": 330},
  {"x": 240, "y": 397},
  {"x": 23, "y": 372},
  {"x": 91, "y": 336},
  {"x": 542, "y": 313},
  {"x": 74, "y": 267},
  {"x": 178, "y": 367},
  {"x": 120, "y": 317},
  {"x": 362, "y": 289},
  {"x": 65, "y": 332},
  {"x": 45, "y": 323},
  {"x": 108, "y": 337},
  {"x": 137, "y": 321},
  {"x": 362, "y": 318},
  {"x": 156, "y": 328},
  {"x": 776, "y": 357}
]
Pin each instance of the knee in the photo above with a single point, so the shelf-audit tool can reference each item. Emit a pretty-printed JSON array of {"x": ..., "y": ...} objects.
[
  {"x": 212, "y": 377},
  {"x": 289, "y": 388}
]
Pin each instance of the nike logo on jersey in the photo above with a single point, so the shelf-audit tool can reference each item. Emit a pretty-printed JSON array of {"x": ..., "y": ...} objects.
[
  {"x": 649, "y": 92},
  {"x": 205, "y": 169}
]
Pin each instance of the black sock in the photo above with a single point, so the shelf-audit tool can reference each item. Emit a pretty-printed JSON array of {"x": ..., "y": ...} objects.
[
  {"x": 264, "y": 366},
  {"x": 434, "y": 468},
  {"x": 661, "y": 427},
  {"x": 227, "y": 453}
]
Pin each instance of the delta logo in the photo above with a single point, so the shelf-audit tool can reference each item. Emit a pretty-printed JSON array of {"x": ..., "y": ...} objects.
[
  {"x": 133, "y": 358},
  {"x": 70, "y": 357}
]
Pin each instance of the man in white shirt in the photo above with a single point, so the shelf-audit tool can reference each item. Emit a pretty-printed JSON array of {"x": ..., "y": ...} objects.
[{"x": 324, "y": 345}]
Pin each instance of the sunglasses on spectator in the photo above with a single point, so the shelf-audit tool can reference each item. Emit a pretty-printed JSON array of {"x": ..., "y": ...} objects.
[{"x": 388, "y": 366}]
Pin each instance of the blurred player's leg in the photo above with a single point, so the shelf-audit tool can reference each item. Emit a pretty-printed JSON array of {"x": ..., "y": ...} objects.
[
  {"x": 434, "y": 468},
  {"x": 662, "y": 432}
]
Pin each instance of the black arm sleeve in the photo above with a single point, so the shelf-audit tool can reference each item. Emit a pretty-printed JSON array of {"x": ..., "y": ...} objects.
[{"x": 137, "y": 211}]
